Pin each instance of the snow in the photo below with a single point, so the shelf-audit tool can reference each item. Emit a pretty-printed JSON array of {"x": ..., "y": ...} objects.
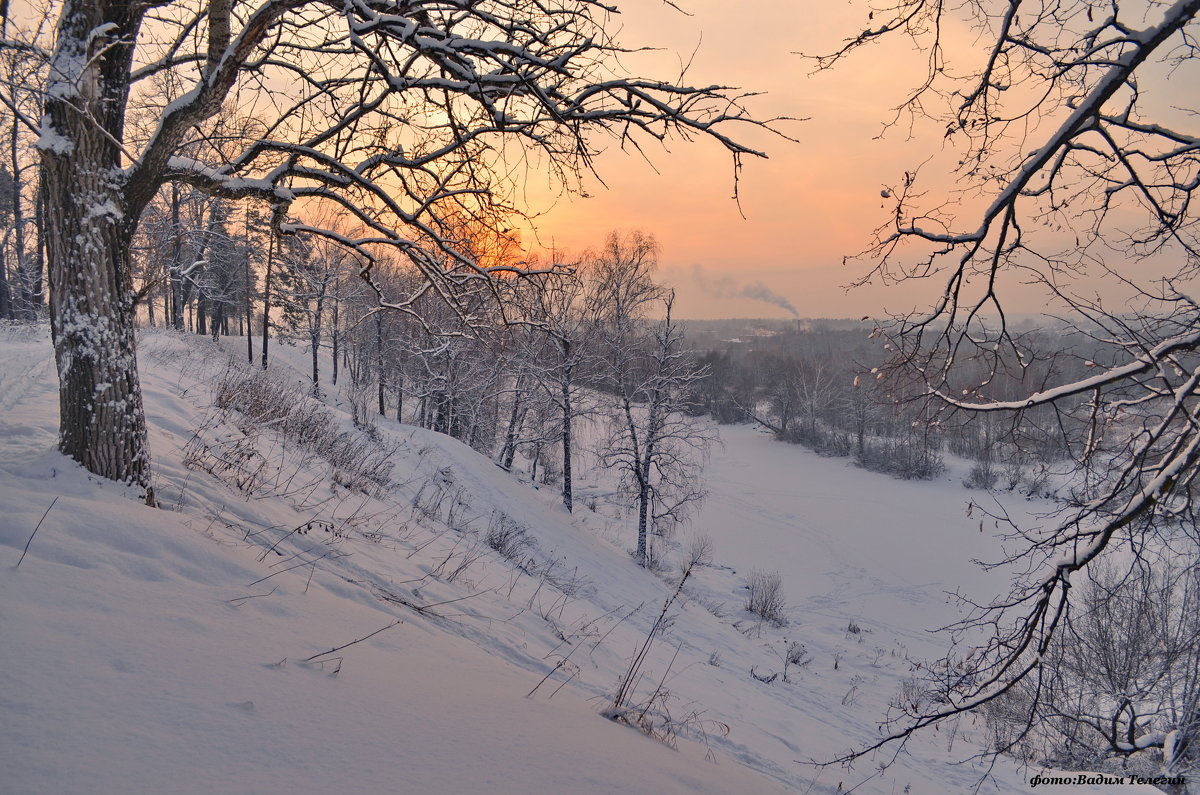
[
  {"x": 51, "y": 140},
  {"x": 263, "y": 186},
  {"x": 187, "y": 649},
  {"x": 104, "y": 209}
]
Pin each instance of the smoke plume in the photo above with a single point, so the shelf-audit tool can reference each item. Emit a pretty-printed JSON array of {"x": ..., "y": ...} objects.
[{"x": 728, "y": 287}]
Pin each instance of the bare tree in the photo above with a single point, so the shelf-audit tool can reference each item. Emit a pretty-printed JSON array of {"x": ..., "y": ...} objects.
[
  {"x": 564, "y": 357},
  {"x": 399, "y": 113},
  {"x": 1120, "y": 690},
  {"x": 655, "y": 443},
  {"x": 1088, "y": 188},
  {"x": 21, "y": 274},
  {"x": 309, "y": 271}
]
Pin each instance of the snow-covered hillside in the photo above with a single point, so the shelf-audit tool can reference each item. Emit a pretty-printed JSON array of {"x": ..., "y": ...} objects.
[{"x": 297, "y": 617}]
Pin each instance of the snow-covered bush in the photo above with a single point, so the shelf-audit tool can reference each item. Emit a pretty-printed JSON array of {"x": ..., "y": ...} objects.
[{"x": 764, "y": 597}]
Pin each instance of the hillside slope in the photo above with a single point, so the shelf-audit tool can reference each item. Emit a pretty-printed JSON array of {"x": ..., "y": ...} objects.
[{"x": 301, "y": 615}]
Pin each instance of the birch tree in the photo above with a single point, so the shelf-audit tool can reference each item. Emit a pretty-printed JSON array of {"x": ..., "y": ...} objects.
[
  {"x": 398, "y": 113},
  {"x": 656, "y": 445}
]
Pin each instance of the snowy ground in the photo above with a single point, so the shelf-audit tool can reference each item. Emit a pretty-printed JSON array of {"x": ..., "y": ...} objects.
[{"x": 196, "y": 648}]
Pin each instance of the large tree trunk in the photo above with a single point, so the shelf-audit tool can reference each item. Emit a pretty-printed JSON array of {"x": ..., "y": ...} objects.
[
  {"x": 88, "y": 234},
  {"x": 249, "y": 280},
  {"x": 645, "y": 469},
  {"x": 643, "y": 503},
  {"x": 201, "y": 314},
  {"x": 218, "y": 320}
]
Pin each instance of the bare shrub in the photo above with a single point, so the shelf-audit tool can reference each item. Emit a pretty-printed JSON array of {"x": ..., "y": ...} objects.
[
  {"x": 655, "y": 555},
  {"x": 428, "y": 500},
  {"x": 1121, "y": 693},
  {"x": 508, "y": 537},
  {"x": 231, "y": 457},
  {"x": 357, "y": 459},
  {"x": 698, "y": 552},
  {"x": 458, "y": 560},
  {"x": 983, "y": 475},
  {"x": 1012, "y": 472},
  {"x": 551, "y": 470},
  {"x": 838, "y": 444},
  {"x": 459, "y": 517},
  {"x": 764, "y": 597},
  {"x": 794, "y": 655},
  {"x": 359, "y": 395},
  {"x": 906, "y": 458},
  {"x": 652, "y": 714}
]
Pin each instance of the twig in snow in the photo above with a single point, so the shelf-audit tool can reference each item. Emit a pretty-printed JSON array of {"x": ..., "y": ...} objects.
[
  {"x": 35, "y": 529},
  {"x": 549, "y": 673},
  {"x": 295, "y": 529},
  {"x": 423, "y": 608},
  {"x": 299, "y": 565},
  {"x": 417, "y": 608},
  {"x": 243, "y": 599},
  {"x": 351, "y": 643}
]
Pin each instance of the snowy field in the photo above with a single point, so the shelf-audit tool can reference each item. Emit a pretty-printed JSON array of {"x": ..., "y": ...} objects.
[{"x": 284, "y": 625}]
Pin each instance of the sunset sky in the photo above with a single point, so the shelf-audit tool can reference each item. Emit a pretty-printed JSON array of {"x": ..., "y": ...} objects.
[
  {"x": 809, "y": 205},
  {"x": 812, "y": 203}
]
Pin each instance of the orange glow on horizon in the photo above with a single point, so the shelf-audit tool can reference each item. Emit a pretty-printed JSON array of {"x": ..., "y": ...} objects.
[{"x": 811, "y": 204}]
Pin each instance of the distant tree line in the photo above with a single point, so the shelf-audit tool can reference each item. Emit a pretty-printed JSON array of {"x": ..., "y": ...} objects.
[
  {"x": 820, "y": 384},
  {"x": 588, "y": 340}
]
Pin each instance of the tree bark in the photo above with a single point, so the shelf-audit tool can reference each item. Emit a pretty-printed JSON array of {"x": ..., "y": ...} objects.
[
  {"x": 334, "y": 334},
  {"x": 315, "y": 331},
  {"x": 379, "y": 364},
  {"x": 249, "y": 289},
  {"x": 643, "y": 479},
  {"x": 5, "y": 296},
  {"x": 508, "y": 451},
  {"x": 175, "y": 278},
  {"x": 266, "y": 322},
  {"x": 39, "y": 250},
  {"x": 101, "y": 423},
  {"x": 201, "y": 314},
  {"x": 24, "y": 295},
  {"x": 568, "y": 493}
]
